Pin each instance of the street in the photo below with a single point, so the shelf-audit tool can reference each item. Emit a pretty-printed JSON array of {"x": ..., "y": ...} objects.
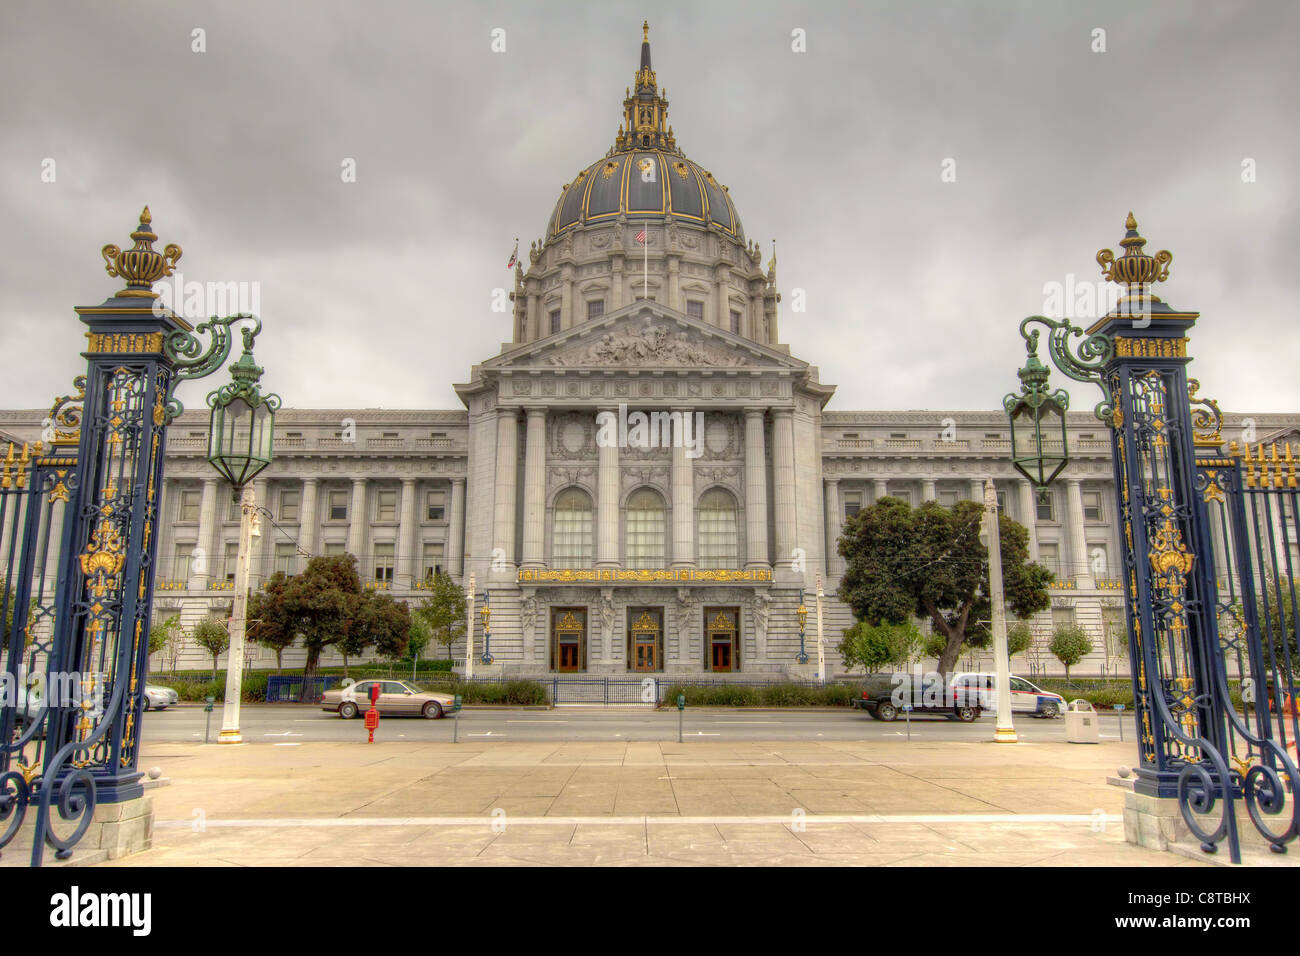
[{"x": 288, "y": 724}]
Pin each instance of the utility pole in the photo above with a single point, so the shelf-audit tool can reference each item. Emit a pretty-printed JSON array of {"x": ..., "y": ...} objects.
[
  {"x": 238, "y": 620},
  {"x": 1005, "y": 732},
  {"x": 469, "y": 631},
  {"x": 821, "y": 647}
]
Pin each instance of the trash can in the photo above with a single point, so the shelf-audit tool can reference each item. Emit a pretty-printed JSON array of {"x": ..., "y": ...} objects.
[{"x": 1082, "y": 725}]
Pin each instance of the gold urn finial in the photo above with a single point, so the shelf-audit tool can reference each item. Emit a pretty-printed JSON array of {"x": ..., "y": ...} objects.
[
  {"x": 1134, "y": 268},
  {"x": 141, "y": 266}
]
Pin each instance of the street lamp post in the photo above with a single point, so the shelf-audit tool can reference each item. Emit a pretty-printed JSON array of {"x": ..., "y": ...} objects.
[
  {"x": 240, "y": 445},
  {"x": 486, "y": 611},
  {"x": 469, "y": 630},
  {"x": 802, "y": 613},
  {"x": 1005, "y": 731},
  {"x": 821, "y": 645}
]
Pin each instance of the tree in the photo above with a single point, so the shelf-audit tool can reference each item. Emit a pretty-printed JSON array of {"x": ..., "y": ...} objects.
[
  {"x": 385, "y": 624},
  {"x": 418, "y": 638},
  {"x": 904, "y": 562},
  {"x": 872, "y": 646},
  {"x": 321, "y": 606},
  {"x": 444, "y": 610},
  {"x": 1070, "y": 644},
  {"x": 1019, "y": 636},
  {"x": 162, "y": 634},
  {"x": 211, "y": 634},
  {"x": 268, "y": 624}
]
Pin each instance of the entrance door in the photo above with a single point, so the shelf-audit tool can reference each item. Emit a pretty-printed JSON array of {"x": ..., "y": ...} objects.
[
  {"x": 569, "y": 639},
  {"x": 722, "y": 652},
  {"x": 644, "y": 638}
]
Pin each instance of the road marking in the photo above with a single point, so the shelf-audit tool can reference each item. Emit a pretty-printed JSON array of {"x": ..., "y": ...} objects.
[
  {"x": 902, "y": 819},
  {"x": 768, "y": 723},
  {"x": 287, "y": 733},
  {"x": 537, "y": 720},
  {"x": 286, "y": 745},
  {"x": 488, "y": 734},
  {"x": 700, "y": 733}
]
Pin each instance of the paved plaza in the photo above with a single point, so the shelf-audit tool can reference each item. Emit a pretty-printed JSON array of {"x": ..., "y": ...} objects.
[{"x": 640, "y": 803}]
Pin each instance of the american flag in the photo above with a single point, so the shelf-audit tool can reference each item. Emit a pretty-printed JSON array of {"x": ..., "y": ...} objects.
[{"x": 640, "y": 237}]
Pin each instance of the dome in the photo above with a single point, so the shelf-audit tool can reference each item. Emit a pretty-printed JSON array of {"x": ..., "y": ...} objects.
[
  {"x": 644, "y": 183},
  {"x": 645, "y": 174}
]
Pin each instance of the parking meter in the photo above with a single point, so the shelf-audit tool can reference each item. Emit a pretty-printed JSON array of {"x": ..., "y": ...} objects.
[
  {"x": 681, "y": 701},
  {"x": 1121, "y": 708},
  {"x": 681, "y": 709},
  {"x": 207, "y": 707},
  {"x": 372, "y": 715}
]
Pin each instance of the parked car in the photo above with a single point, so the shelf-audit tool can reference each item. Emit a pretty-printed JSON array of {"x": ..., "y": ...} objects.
[
  {"x": 1026, "y": 698},
  {"x": 159, "y": 698},
  {"x": 885, "y": 695},
  {"x": 396, "y": 699}
]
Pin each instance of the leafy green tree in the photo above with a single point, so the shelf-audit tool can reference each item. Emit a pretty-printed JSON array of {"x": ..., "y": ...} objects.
[
  {"x": 1275, "y": 607},
  {"x": 386, "y": 624},
  {"x": 928, "y": 562},
  {"x": 211, "y": 635},
  {"x": 418, "y": 638},
  {"x": 322, "y": 606},
  {"x": 444, "y": 610},
  {"x": 1019, "y": 636},
  {"x": 873, "y": 646},
  {"x": 164, "y": 633},
  {"x": 1070, "y": 644},
  {"x": 268, "y": 624}
]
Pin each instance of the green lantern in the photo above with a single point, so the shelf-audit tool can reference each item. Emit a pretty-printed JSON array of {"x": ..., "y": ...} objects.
[
  {"x": 1039, "y": 450},
  {"x": 242, "y": 427}
]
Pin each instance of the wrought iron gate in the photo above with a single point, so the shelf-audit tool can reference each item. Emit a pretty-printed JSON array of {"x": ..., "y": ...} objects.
[{"x": 80, "y": 535}]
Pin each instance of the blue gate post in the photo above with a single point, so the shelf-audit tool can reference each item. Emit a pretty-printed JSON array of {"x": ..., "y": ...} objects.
[
  {"x": 1165, "y": 541},
  {"x": 136, "y": 352}
]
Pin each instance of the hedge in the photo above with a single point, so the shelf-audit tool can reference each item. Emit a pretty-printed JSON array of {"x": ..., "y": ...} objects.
[{"x": 762, "y": 695}]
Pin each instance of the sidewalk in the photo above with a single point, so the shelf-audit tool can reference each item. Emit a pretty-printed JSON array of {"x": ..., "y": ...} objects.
[{"x": 917, "y": 804}]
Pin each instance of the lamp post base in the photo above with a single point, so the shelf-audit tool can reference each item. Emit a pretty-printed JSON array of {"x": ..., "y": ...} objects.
[
  {"x": 1005, "y": 735},
  {"x": 230, "y": 737}
]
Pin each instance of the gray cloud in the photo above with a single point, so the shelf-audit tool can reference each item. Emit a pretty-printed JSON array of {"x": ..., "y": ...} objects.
[{"x": 377, "y": 293}]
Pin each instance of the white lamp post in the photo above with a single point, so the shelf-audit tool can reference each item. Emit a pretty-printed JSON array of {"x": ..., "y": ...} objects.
[{"x": 1005, "y": 732}]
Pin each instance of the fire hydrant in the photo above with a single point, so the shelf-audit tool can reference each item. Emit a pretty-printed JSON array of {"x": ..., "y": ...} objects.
[{"x": 372, "y": 715}]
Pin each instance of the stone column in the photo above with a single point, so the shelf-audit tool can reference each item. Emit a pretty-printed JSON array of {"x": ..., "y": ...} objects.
[
  {"x": 357, "y": 521},
  {"x": 683, "y": 482},
  {"x": 607, "y": 487},
  {"x": 928, "y": 489},
  {"x": 721, "y": 298},
  {"x": 207, "y": 535},
  {"x": 755, "y": 490},
  {"x": 567, "y": 318},
  {"x": 262, "y": 545},
  {"x": 1082, "y": 571},
  {"x": 535, "y": 488},
  {"x": 503, "y": 515},
  {"x": 406, "y": 570},
  {"x": 307, "y": 521},
  {"x": 977, "y": 490},
  {"x": 1029, "y": 516},
  {"x": 831, "y": 499},
  {"x": 674, "y": 291},
  {"x": 783, "y": 485},
  {"x": 616, "y": 283},
  {"x": 456, "y": 530},
  {"x": 881, "y": 489}
]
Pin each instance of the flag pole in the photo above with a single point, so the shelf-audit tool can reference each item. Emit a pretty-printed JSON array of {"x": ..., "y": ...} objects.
[{"x": 645, "y": 281}]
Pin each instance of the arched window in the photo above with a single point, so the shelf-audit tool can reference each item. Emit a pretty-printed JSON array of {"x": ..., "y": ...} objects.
[
  {"x": 571, "y": 530},
  {"x": 719, "y": 539},
  {"x": 647, "y": 528}
]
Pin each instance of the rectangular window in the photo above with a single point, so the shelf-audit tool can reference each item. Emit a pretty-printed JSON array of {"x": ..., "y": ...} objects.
[
  {"x": 289, "y": 501},
  {"x": 1062, "y": 617},
  {"x": 189, "y": 508},
  {"x": 384, "y": 562},
  {"x": 1097, "y": 562},
  {"x": 334, "y": 548},
  {"x": 181, "y": 566},
  {"x": 555, "y": 321},
  {"x": 285, "y": 558},
  {"x": 1092, "y": 506},
  {"x": 852, "y": 503},
  {"x": 904, "y": 495},
  {"x": 233, "y": 508},
  {"x": 435, "y": 505},
  {"x": 735, "y": 322},
  {"x": 1002, "y": 502},
  {"x": 1047, "y": 507},
  {"x": 338, "y": 505},
  {"x": 232, "y": 559},
  {"x": 695, "y": 308},
  {"x": 947, "y": 498},
  {"x": 1049, "y": 556},
  {"x": 386, "y": 505},
  {"x": 595, "y": 308},
  {"x": 433, "y": 558}
]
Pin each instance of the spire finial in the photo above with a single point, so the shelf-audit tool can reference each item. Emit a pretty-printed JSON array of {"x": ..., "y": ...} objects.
[
  {"x": 645, "y": 31},
  {"x": 1134, "y": 268},
  {"x": 140, "y": 265}
]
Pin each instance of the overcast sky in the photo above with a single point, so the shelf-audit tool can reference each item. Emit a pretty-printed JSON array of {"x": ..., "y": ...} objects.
[{"x": 378, "y": 292}]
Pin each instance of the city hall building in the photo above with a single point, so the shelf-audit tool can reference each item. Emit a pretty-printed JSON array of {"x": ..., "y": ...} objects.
[{"x": 644, "y": 479}]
